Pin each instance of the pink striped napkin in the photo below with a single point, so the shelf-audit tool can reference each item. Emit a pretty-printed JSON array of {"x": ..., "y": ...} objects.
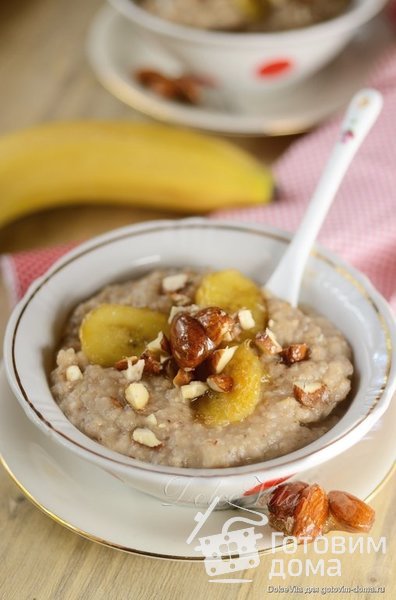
[{"x": 361, "y": 226}]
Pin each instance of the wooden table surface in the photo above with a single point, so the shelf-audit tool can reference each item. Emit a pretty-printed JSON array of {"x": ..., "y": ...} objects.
[{"x": 44, "y": 76}]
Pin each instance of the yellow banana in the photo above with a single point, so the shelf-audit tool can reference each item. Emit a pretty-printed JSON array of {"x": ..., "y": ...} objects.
[{"x": 140, "y": 164}]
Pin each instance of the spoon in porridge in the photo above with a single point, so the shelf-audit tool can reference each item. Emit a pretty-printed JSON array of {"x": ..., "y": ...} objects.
[{"x": 285, "y": 282}]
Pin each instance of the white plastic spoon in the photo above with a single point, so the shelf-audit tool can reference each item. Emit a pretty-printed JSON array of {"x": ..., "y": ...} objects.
[{"x": 285, "y": 282}]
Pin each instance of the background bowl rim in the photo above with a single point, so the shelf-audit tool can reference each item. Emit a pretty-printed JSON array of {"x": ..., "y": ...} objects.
[{"x": 356, "y": 15}]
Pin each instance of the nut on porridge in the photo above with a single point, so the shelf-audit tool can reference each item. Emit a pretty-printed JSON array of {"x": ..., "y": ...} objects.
[{"x": 194, "y": 369}]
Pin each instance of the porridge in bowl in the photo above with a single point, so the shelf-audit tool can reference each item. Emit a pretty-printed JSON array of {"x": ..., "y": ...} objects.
[
  {"x": 247, "y": 15},
  {"x": 193, "y": 369}
]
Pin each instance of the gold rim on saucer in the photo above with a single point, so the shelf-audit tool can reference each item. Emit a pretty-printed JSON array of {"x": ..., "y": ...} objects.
[{"x": 108, "y": 544}]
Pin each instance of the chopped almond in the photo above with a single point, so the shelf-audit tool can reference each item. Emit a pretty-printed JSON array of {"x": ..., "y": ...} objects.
[
  {"x": 156, "y": 345},
  {"x": 145, "y": 437},
  {"x": 310, "y": 393},
  {"x": 216, "y": 322},
  {"x": 134, "y": 371},
  {"x": 267, "y": 342},
  {"x": 137, "y": 395},
  {"x": 294, "y": 353},
  {"x": 151, "y": 419},
  {"x": 182, "y": 377},
  {"x": 122, "y": 365},
  {"x": 174, "y": 283},
  {"x": 180, "y": 299},
  {"x": 220, "y": 359},
  {"x": 220, "y": 383},
  {"x": 151, "y": 364},
  {"x": 193, "y": 390},
  {"x": 245, "y": 318},
  {"x": 73, "y": 373}
]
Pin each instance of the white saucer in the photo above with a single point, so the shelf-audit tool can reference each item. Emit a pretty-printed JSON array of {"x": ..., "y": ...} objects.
[
  {"x": 116, "y": 51},
  {"x": 94, "y": 504}
]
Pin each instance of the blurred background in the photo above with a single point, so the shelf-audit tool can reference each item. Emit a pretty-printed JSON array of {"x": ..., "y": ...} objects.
[{"x": 45, "y": 76}]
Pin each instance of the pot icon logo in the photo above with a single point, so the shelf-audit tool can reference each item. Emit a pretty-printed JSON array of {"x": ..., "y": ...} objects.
[{"x": 232, "y": 550}]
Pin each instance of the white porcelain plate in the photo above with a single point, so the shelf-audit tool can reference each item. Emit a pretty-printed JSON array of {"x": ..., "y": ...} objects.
[
  {"x": 96, "y": 505},
  {"x": 116, "y": 52}
]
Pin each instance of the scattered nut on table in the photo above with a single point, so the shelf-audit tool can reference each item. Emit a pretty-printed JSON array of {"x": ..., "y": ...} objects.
[
  {"x": 307, "y": 511},
  {"x": 184, "y": 89}
]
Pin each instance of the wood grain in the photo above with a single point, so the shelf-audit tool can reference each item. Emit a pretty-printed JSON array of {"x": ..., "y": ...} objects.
[{"x": 44, "y": 76}]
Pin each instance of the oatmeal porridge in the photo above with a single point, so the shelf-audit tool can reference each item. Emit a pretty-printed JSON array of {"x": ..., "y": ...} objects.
[{"x": 200, "y": 370}]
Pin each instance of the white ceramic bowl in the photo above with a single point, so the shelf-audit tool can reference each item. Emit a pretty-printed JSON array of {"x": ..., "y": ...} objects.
[
  {"x": 250, "y": 62},
  {"x": 338, "y": 291}
]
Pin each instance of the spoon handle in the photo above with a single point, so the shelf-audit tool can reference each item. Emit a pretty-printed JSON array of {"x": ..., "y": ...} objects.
[{"x": 361, "y": 115}]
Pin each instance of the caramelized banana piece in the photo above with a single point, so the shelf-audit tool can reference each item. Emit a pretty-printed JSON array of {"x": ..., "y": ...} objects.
[
  {"x": 221, "y": 408},
  {"x": 232, "y": 291},
  {"x": 111, "y": 332}
]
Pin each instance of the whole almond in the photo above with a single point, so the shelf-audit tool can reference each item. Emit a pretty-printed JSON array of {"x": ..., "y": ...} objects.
[
  {"x": 306, "y": 511},
  {"x": 189, "y": 342},
  {"x": 284, "y": 499},
  {"x": 348, "y": 513},
  {"x": 311, "y": 513}
]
